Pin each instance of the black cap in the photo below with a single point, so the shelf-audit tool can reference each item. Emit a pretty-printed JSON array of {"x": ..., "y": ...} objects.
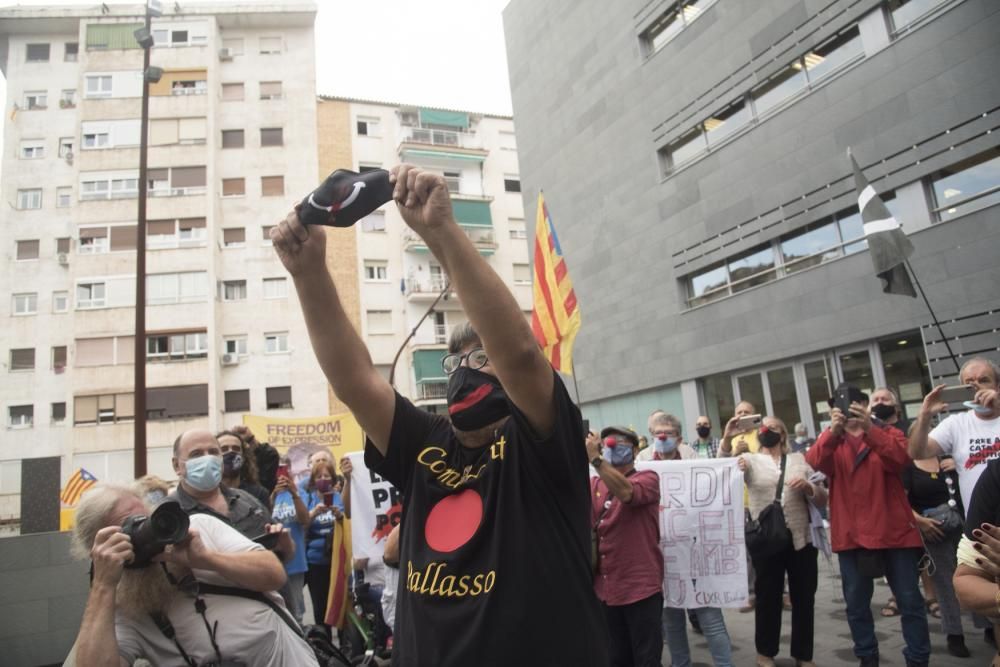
[{"x": 620, "y": 430}]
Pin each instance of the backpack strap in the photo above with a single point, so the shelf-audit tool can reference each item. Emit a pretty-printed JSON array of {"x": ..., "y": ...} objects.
[{"x": 212, "y": 589}]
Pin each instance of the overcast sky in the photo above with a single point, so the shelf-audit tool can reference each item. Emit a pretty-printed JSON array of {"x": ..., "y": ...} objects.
[{"x": 445, "y": 53}]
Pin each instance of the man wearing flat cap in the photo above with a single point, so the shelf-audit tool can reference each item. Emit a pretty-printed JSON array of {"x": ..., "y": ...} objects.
[
  {"x": 629, "y": 579},
  {"x": 871, "y": 523}
]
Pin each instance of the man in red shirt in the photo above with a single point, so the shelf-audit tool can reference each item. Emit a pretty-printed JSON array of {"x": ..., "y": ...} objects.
[
  {"x": 873, "y": 530},
  {"x": 625, "y": 506}
]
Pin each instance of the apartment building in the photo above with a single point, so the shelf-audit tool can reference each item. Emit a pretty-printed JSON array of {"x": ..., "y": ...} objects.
[
  {"x": 232, "y": 141},
  {"x": 399, "y": 278},
  {"x": 696, "y": 165}
]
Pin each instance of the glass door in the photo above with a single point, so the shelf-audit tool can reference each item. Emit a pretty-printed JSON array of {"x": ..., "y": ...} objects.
[
  {"x": 856, "y": 368},
  {"x": 784, "y": 402},
  {"x": 819, "y": 387}
]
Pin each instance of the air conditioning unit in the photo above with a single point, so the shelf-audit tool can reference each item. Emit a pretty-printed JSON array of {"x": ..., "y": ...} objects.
[
  {"x": 69, "y": 157},
  {"x": 225, "y": 53},
  {"x": 230, "y": 359},
  {"x": 63, "y": 259}
]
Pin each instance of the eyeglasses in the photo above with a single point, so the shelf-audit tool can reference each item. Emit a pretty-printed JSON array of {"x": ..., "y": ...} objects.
[{"x": 475, "y": 359}]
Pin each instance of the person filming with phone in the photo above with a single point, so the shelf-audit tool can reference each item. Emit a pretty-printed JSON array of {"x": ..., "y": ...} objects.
[
  {"x": 863, "y": 460},
  {"x": 972, "y": 437}
]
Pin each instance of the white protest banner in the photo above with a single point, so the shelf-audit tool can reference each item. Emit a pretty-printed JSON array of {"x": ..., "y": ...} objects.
[
  {"x": 701, "y": 532},
  {"x": 376, "y": 508}
]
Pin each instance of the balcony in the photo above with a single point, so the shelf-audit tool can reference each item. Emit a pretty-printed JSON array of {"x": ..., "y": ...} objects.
[
  {"x": 482, "y": 238},
  {"x": 432, "y": 391},
  {"x": 422, "y": 144},
  {"x": 416, "y": 289}
]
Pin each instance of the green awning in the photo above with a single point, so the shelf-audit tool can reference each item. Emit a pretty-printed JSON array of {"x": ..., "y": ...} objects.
[
  {"x": 455, "y": 119},
  {"x": 427, "y": 366},
  {"x": 473, "y": 157},
  {"x": 472, "y": 213},
  {"x": 112, "y": 35}
]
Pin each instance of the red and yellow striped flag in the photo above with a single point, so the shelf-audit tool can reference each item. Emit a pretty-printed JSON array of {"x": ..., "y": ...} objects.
[
  {"x": 341, "y": 563},
  {"x": 77, "y": 484},
  {"x": 555, "y": 318}
]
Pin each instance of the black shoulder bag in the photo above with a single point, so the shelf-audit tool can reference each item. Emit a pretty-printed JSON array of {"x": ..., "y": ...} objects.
[{"x": 768, "y": 534}]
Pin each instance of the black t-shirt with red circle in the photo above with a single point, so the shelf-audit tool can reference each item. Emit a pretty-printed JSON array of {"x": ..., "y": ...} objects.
[{"x": 494, "y": 543}]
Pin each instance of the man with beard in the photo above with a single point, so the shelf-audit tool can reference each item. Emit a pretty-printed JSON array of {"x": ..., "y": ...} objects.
[
  {"x": 141, "y": 613},
  {"x": 495, "y": 535}
]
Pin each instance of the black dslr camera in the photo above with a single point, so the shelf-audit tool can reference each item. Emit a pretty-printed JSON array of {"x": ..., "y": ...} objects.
[{"x": 168, "y": 524}]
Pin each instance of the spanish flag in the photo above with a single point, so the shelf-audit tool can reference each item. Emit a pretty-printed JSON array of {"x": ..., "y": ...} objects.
[
  {"x": 77, "y": 484},
  {"x": 341, "y": 565},
  {"x": 555, "y": 318}
]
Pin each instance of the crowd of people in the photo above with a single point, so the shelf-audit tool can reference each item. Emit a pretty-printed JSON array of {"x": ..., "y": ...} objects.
[{"x": 509, "y": 552}]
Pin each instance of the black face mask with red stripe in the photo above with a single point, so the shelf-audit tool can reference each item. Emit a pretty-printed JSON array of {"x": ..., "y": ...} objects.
[{"x": 475, "y": 399}]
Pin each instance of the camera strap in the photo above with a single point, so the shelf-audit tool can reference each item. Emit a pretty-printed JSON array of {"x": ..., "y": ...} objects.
[{"x": 162, "y": 621}]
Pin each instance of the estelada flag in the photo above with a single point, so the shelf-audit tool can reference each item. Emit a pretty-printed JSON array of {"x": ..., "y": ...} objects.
[
  {"x": 77, "y": 484},
  {"x": 341, "y": 565},
  {"x": 555, "y": 317},
  {"x": 886, "y": 240}
]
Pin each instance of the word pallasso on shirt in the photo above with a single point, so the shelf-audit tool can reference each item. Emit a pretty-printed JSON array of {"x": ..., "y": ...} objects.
[{"x": 495, "y": 543}]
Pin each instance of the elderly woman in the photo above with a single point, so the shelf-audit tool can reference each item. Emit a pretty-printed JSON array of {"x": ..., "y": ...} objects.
[
  {"x": 977, "y": 577},
  {"x": 762, "y": 472}
]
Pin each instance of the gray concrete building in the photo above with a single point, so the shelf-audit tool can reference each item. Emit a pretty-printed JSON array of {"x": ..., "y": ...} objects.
[{"x": 693, "y": 158}]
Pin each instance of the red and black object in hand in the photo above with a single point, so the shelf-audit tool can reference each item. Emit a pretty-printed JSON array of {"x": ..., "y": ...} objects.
[{"x": 345, "y": 197}]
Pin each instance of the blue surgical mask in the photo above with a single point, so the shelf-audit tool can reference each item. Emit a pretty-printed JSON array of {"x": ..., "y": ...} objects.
[
  {"x": 665, "y": 445},
  {"x": 978, "y": 408},
  {"x": 204, "y": 472},
  {"x": 619, "y": 456}
]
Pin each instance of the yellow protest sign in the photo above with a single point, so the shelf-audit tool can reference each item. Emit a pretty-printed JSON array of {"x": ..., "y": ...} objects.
[{"x": 334, "y": 431}]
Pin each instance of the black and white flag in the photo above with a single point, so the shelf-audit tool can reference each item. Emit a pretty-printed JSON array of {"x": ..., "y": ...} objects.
[{"x": 886, "y": 240}]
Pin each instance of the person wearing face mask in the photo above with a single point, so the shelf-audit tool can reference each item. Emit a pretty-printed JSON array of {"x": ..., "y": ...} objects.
[
  {"x": 802, "y": 440},
  {"x": 762, "y": 472},
  {"x": 666, "y": 443},
  {"x": 326, "y": 510},
  {"x": 497, "y": 492},
  {"x": 972, "y": 437},
  {"x": 705, "y": 446},
  {"x": 239, "y": 467},
  {"x": 625, "y": 505},
  {"x": 198, "y": 463},
  {"x": 863, "y": 462}
]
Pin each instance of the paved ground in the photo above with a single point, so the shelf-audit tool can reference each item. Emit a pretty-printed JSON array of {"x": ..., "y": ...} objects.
[{"x": 833, "y": 646}]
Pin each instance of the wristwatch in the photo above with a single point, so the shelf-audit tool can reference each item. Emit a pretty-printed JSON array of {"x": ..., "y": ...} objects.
[{"x": 596, "y": 462}]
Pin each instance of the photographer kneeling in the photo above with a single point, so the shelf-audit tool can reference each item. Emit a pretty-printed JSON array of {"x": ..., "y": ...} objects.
[{"x": 150, "y": 606}]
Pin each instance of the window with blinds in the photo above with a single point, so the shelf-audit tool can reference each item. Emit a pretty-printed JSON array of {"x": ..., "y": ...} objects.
[{"x": 22, "y": 359}]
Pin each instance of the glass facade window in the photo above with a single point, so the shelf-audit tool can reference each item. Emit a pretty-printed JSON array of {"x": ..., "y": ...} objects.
[
  {"x": 852, "y": 229},
  {"x": 778, "y": 88},
  {"x": 810, "y": 247},
  {"x": 708, "y": 286},
  {"x": 687, "y": 146},
  {"x": 832, "y": 54},
  {"x": 672, "y": 21},
  {"x": 968, "y": 186},
  {"x": 753, "y": 268},
  {"x": 905, "y": 12},
  {"x": 723, "y": 123},
  {"x": 906, "y": 370}
]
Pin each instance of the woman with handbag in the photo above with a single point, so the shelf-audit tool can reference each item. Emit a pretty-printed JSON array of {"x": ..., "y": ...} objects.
[
  {"x": 937, "y": 509},
  {"x": 779, "y": 541}
]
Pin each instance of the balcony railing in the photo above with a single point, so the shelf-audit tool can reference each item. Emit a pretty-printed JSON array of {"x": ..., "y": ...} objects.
[
  {"x": 481, "y": 237},
  {"x": 427, "y": 391},
  {"x": 429, "y": 288},
  {"x": 436, "y": 137}
]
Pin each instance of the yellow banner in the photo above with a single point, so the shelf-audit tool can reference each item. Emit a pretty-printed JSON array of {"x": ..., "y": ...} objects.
[{"x": 340, "y": 433}]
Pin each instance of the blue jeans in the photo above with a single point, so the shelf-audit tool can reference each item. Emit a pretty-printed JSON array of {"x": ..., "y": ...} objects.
[
  {"x": 713, "y": 625},
  {"x": 901, "y": 571}
]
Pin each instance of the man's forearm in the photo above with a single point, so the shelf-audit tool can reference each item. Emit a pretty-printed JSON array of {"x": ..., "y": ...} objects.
[
  {"x": 258, "y": 570},
  {"x": 617, "y": 483},
  {"x": 492, "y": 309},
  {"x": 97, "y": 643},
  {"x": 339, "y": 349},
  {"x": 919, "y": 444}
]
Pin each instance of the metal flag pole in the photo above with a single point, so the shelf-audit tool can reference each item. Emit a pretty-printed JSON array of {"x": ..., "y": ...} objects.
[
  {"x": 944, "y": 339},
  {"x": 413, "y": 332}
]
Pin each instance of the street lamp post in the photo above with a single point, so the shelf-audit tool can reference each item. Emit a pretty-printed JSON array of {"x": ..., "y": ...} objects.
[{"x": 144, "y": 37}]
